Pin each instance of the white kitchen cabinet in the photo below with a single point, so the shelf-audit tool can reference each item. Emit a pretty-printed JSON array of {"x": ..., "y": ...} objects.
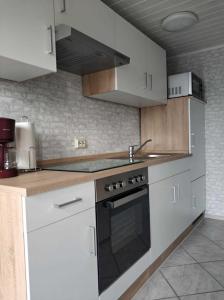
[
  {"x": 156, "y": 87},
  {"x": 27, "y": 47},
  {"x": 182, "y": 193},
  {"x": 146, "y": 74},
  {"x": 91, "y": 17},
  {"x": 197, "y": 138},
  {"x": 162, "y": 216},
  {"x": 169, "y": 169},
  {"x": 143, "y": 82},
  {"x": 198, "y": 197},
  {"x": 170, "y": 211},
  {"x": 131, "y": 78},
  {"x": 197, "y": 149},
  {"x": 44, "y": 209},
  {"x": 60, "y": 244},
  {"x": 62, "y": 259}
]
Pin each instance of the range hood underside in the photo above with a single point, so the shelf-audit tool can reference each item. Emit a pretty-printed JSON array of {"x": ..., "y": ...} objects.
[{"x": 80, "y": 54}]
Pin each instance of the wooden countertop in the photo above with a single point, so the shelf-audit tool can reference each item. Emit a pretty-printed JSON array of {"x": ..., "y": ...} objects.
[{"x": 43, "y": 181}]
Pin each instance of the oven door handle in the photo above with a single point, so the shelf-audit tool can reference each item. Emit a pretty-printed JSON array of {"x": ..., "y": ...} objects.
[{"x": 127, "y": 199}]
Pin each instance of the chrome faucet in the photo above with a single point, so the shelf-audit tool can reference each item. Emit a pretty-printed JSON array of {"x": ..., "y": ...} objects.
[{"x": 132, "y": 152}]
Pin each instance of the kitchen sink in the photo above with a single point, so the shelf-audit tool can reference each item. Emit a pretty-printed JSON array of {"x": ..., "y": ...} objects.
[
  {"x": 147, "y": 156},
  {"x": 151, "y": 156},
  {"x": 156, "y": 155}
]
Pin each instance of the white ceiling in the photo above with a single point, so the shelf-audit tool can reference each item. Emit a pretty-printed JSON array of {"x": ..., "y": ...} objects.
[{"x": 147, "y": 15}]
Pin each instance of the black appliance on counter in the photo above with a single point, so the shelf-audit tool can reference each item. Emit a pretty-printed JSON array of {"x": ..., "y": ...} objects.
[{"x": 123, "y": 223}]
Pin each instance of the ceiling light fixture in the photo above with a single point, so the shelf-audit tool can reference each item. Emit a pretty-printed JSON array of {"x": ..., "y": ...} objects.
[{"x": 179, "y": 21}]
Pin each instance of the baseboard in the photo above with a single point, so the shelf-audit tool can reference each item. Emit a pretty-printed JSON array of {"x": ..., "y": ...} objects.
[
  {"x": 132, "y": 290},
  {"x": 215, "y": 217}
]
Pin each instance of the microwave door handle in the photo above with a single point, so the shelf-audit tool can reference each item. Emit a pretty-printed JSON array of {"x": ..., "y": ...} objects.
[{"x": 127, "y": 199}]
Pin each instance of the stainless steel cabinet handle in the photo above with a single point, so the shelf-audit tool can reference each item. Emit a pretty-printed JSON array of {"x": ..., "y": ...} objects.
[
  {"x": 60, "y": 205},
  {"x": 93, "y": 240},
  {"x": 126, "y": 199},
  {"x": 63, "y": 9},
  {"x": 50, "y": 29},
  {"x": 178, "y": 192},
  {"x": 193, "y": 139},
  {"x": 174, "y": 195},
  {"x": 146, "y": 80},
  {"x": 150, "y": 80}
]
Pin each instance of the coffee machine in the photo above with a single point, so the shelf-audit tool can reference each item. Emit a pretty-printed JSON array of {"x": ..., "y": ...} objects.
[{"x": 7, "y": 149}]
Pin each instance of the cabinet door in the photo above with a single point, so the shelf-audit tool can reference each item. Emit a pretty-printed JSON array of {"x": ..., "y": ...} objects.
[
  {"x": 27, "y": 47},
  {"x": 156, "y": 72},
  {"x": 198, "y": 197},
  {"x": 62, "y": 259},
  {"x": 162, "y": 214},
  {"x": 131, "y": 78},
  {"x": 170, "y": 208},
  {"x": 91, "y": 17},
  {"x": 183, "y": 203},
  {"x": 197, "y": 138}
]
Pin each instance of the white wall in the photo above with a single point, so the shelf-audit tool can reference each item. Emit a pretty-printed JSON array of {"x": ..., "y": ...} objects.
[
  {"x": 210, "y": 66},
  {"x": 60, "y": 112}
]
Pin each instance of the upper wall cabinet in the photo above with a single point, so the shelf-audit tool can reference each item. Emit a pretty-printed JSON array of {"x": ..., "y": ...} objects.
[
  {"x": 143, "y": 82},
  {"x": 156, "y": 72},
  {"x": 91, "y": 17},
  {"x": 132, "y": 77},
  {"x": 146, "y": 75},
  {"x": 27, "y": 47}
]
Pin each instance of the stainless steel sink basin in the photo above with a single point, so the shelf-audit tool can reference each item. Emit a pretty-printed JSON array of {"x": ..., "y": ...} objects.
[
  {"x": 146, "y": 156},
  {"x": 156, "y": 155}
]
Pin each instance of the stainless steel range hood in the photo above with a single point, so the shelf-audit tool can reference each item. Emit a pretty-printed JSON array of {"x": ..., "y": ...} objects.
[{"x": 80, "y": 54}]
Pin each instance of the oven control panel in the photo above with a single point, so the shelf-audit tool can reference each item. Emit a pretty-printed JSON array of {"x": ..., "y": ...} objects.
[{"x": 114, "y": 185}]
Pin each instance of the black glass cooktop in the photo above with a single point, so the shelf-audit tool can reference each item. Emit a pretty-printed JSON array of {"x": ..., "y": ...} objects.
[{"x": 93, "y": 165}]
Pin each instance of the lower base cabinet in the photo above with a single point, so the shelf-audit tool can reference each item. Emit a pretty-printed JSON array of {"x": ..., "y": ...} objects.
[
  {"x": 62, "y": 255},
  {"x": 198, "y": 197},
  {"x": 62, "y": 259},
  {"x": 170, "y": 206}
]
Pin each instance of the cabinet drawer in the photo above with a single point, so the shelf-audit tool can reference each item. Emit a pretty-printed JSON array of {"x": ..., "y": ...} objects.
[
  {"x": 169, "y": 169},
  {"x": 50, "y": 207}
]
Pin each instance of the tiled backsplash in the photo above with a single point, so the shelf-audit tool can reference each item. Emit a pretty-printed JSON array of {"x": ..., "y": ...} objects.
[
  {"x": 210, "y": 66},
  {"x": 56, "y": 105}
]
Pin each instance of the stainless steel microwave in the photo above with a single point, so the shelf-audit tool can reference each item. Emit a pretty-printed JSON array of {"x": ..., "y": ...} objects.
[{"x": 185, "y": 84}]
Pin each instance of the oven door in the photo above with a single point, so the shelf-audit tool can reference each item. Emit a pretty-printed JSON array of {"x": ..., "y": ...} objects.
[{"x": 123, "y": 233}]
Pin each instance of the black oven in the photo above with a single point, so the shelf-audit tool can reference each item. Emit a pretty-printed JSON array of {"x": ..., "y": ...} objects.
[{"x": 123, "y": 224}]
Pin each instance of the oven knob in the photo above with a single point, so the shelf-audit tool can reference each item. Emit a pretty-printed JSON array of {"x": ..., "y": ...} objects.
[
  {"x": 109, "y": 188},
  {"x": 116, "y": 185},
  {"x": 132, "y": 180},
  {"x": 142, "y": 177},
  {"x": 123, "y": 184},
  {"x": 138, "y": 179}
]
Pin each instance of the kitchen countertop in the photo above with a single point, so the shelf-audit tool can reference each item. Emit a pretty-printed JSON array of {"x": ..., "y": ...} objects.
[{"x": 43, "y": 181}]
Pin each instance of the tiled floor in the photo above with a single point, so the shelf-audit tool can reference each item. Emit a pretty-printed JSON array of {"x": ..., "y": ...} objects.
[{"x": 194, "y": 271}]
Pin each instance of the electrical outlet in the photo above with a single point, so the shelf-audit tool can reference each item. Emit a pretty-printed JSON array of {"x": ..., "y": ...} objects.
[{"x": 80, "y": 143}]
